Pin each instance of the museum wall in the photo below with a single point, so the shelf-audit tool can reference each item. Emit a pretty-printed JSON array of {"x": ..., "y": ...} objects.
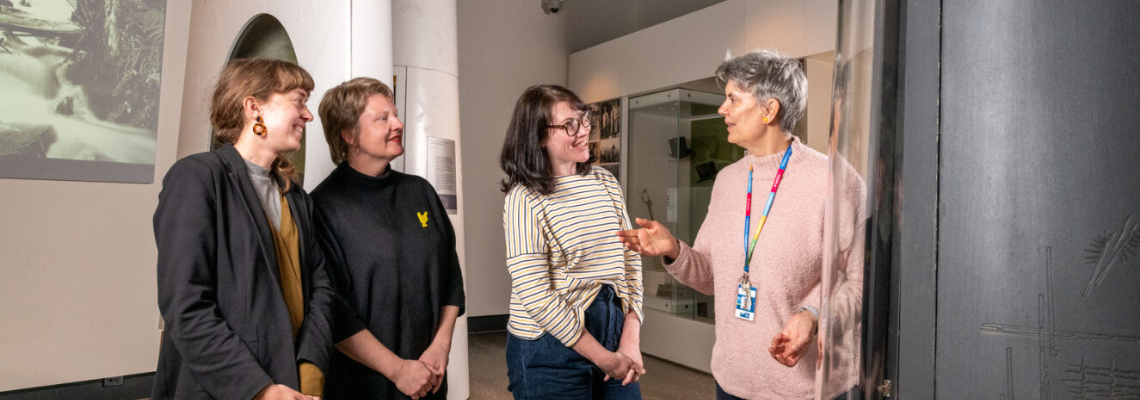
[
  {"x": 320, "y": 38},
  {"x": 504, "y": 47},
  {"x": 79, "y": 289},
  {"x": 690, "y": 47}
]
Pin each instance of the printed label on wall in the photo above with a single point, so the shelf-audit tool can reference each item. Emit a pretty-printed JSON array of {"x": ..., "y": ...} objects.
[{"x": 441, "y": 172}]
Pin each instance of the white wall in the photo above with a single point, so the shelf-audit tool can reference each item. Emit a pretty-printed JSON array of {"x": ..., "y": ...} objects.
[
  {"x": 690, "y": 47},
  {"x": 320, "y": 33},
  {"x": 680, "y": 50},
  {"x": 820, "y": 69},
  {"x": 504, "y": 47},
  {"x": 79, "y": 292}
]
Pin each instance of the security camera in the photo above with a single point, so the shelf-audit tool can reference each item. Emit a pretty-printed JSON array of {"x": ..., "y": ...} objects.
[{"x": 551, "y": 6}]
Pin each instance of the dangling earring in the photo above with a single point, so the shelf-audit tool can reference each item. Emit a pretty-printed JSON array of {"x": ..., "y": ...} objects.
[{"x": 259, "y": 127}]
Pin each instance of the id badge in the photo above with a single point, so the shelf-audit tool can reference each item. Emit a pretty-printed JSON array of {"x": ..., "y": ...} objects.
[{"x": 745, "y": 302}]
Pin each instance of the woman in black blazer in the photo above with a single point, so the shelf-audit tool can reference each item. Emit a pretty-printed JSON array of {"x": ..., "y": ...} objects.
[{"x": 242, "y": 286}]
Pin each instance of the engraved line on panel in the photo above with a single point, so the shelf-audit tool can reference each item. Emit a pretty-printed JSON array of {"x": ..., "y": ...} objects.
[
  {"x": 1110, "y": 249},
  {"x": 1046, "y": 329},
  {"x": 1008, "y": 374},
  {"x": 1092, "y": 382},
  {"x": 1052, "y": 313},
  {"x": 1014, "y": 330},
  {"x": 1084, "y": 381},
  {"x": 1045, "y": 316}
]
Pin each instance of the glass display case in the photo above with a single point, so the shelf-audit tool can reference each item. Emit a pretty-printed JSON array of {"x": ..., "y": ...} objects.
[{"x": 677, "y": 143}]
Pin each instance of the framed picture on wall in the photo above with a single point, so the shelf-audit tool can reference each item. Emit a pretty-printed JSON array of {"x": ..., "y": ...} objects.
[
  {"x": 81, "y": 83},
  {"x": 605, "y": 137}
]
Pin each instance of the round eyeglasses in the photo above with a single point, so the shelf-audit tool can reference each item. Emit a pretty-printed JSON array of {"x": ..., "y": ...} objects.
[{"x": 571, "y": 127}]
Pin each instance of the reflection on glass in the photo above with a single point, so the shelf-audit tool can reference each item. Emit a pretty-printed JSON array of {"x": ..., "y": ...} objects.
[
  {"x": 677, "y": 144},
  {"x": 845, "y": 227}
]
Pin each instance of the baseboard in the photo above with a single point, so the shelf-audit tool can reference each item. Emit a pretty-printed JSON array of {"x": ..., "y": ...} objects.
[
  {"x": 487, "y": 323},
  {"x": 133, "y": 387}
]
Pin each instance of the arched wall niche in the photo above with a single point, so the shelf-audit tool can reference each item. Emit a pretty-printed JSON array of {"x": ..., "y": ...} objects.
[{"x": 263, "y": 36}]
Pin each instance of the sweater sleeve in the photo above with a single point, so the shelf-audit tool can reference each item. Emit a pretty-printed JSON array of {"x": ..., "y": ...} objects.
[
  {"x": 633, "y": 282},
  {"x": 452, "y": 282},
  {"x": 846, "y": 305},
  {"x": 325, "y": 318},
  {"x": 693, "y": 266},
  {"x": 529, "y": 267},
  {"x": 346, "y": 321}
]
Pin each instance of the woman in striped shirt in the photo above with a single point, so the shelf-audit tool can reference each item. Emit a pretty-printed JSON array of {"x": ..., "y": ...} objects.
[{"x": 576, "y": 293}]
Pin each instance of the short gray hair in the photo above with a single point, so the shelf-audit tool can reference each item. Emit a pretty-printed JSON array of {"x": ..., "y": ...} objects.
[{"x": 769, "y": 74}]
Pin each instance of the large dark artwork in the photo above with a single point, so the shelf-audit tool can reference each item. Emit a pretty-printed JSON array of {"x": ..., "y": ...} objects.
[{"x": 81, "y": 83}]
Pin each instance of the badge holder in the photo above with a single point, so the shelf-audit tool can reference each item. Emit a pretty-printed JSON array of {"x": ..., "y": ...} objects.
[{"x": 745, "y": 299}]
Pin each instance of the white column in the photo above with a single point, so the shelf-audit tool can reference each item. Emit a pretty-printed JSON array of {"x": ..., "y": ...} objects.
[
  {"x": 371, "y": 42},
  {"x": 424, "y": 37}
]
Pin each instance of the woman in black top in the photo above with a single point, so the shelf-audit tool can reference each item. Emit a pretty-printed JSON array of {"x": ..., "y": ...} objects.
[
  {"x": 242, "y": 285},
  {"x": 242, "y": 320},
  {"x": 391, "y": 250}
]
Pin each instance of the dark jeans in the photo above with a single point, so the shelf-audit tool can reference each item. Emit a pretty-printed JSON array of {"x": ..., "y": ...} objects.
[
  {"x": 853, "y": 394},
  {"x": 546, "y": 369},
  {"x": 722, "y": 395}
]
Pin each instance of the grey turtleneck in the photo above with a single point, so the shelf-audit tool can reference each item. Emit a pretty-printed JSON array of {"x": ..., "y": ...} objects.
[{"x": 267, "y": 192}]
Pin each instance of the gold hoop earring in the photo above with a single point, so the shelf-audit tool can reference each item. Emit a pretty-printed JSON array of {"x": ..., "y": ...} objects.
[{"x": 259, "y": 127}]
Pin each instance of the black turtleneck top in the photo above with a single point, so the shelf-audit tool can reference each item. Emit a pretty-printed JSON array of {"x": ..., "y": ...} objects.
[{"x": 391, "y": 254}]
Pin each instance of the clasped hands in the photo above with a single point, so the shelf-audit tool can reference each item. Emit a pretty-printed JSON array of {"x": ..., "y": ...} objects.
[
  {"x": 416, "y": 378},
  {"x": 625, "y": 364}
]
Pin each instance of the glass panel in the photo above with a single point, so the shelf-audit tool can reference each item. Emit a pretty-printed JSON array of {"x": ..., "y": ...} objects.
[
  {"x": 841, "y": 314},
  {"x": 677, "y": 144}
]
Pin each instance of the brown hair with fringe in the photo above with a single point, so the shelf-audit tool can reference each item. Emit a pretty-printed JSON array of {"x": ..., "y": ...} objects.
[
  {"x": 341, "y": 108},
  {"x": 258, "y": 78}
]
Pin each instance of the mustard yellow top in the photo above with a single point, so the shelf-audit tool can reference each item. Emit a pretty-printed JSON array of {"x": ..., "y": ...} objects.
[{"x": 286, "y": 241}]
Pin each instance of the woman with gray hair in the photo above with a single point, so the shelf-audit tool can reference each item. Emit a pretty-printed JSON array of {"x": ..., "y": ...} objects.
[{"x": 768, "y": 290}]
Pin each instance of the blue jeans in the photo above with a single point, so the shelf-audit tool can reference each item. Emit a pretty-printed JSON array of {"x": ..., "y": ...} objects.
[
  {"x": 722, "y": 395},
  {"x": 546, "y": 369}
]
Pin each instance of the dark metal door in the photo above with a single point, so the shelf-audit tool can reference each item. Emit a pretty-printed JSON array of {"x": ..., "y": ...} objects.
[{"x": 1039, "y": 200}]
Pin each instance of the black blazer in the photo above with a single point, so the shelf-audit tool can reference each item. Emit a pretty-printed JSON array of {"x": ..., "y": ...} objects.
[{"x": 228, "y": 333}]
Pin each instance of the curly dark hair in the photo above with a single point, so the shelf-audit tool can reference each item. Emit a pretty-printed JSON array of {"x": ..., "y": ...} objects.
[{"x": 523, "y": 158}]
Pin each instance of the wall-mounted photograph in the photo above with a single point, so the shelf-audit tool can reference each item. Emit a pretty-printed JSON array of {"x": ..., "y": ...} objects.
[
  {"x": 81, "y": 83},
  {"x": 605, "y": 137}
]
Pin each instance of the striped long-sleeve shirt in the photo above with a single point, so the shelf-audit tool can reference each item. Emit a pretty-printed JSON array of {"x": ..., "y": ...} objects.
[{"x": 561, "y": 249}]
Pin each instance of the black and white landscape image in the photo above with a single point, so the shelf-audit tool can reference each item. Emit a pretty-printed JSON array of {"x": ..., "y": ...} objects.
[{"x": 81, "y": 83}]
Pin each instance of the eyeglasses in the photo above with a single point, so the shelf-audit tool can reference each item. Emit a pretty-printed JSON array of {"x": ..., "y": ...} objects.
[{"x": 571, "y": 127}]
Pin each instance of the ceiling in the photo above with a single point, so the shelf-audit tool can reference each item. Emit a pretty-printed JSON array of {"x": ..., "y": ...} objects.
[{"x": 591, "y": 22}]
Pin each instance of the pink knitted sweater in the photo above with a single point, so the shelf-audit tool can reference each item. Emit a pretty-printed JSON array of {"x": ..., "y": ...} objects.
[{"x": 786, "y": 270}]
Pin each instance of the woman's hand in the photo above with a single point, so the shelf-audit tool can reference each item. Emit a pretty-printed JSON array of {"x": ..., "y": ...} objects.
[
  {"x": 630, "y": 346},
  {"x": 282, "y": 392},
  {"x": 652, "y": 239},
  {"x": 436, "y": 360},
  {"x": 616, "y": 365},
  {"x": 637, "y": 366},
  {"x": 413, "y": 378},
  {"x": 790, "y": 345}
]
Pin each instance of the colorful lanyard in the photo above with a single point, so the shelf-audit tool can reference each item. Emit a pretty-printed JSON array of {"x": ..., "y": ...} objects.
[{"x": 748, "y": 249}]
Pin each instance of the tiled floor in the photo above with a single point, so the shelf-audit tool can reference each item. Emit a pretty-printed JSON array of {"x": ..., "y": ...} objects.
[{"x": 663, "y": 380}]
